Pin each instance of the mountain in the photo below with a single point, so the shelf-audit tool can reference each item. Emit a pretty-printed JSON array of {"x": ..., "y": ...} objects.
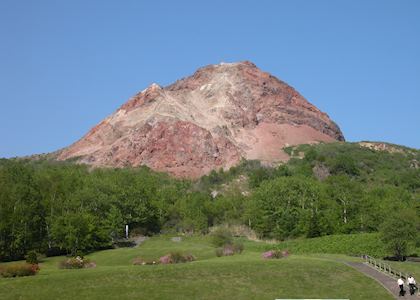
[{"x": 210, "y": 120}]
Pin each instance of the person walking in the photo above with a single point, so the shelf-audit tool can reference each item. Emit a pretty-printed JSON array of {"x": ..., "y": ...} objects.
[
  {"x": 411, "y": 284},
  {"x": 401, "y": 285}
]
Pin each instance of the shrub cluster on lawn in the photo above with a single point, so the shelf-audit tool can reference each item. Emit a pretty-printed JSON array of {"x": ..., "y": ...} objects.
[
  {"x": 230, "y": 249},
  {"x": 76, "y": 263},
  {"x": 18, "y": 270},
  {"x": 176, "y": 257},
  {"x": 275, "y": 254},
  {"x": 222, "y": 238},
  {"x": 32, "y": 257},
  {"x": 170, "y": 258}
]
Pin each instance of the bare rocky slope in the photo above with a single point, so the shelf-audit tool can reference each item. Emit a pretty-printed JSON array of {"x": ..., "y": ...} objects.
[{"x": 207, "y": 121}]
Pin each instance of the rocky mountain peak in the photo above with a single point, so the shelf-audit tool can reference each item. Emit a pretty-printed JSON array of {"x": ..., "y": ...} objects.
[{"x": 206, "y": 121}]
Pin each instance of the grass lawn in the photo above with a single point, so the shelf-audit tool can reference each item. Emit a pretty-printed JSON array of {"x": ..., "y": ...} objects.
[
  {"x": 412, "y": 268},
  {"x": 244, "y": 276}
]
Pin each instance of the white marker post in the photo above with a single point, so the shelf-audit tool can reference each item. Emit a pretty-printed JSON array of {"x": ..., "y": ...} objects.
[{"x": 126, "y": 231}]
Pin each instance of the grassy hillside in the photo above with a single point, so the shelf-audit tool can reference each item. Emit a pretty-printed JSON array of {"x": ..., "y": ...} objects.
[
  {"x": 394, "y": 165},
  {"x": 348, "y": 244},
  {"x": 412, "y": 268},
  {"x": 245, "y": 276}
]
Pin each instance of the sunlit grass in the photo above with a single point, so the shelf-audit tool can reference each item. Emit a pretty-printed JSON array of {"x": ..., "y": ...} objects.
[{"x": 245, "y": 276}]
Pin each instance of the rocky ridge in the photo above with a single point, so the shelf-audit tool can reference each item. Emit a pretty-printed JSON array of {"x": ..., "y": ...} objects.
[{"x": 210, "y": 120}]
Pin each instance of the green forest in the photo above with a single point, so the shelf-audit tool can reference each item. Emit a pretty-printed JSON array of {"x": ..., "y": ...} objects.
[{"x": 341, "y": 188}]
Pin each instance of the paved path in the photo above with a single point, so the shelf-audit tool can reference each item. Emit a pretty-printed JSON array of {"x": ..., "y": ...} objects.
[{"x": 385, "y": 280}]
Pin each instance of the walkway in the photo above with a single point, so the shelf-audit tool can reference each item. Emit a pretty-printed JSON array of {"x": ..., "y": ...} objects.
[{"x": 385, "y": 280}]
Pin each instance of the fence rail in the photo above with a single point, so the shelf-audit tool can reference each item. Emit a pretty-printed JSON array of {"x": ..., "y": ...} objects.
[{"x": 384, "y": 267}]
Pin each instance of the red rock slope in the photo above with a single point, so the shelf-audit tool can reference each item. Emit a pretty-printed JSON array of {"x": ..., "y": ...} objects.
[{"x": 207, "y": 121}]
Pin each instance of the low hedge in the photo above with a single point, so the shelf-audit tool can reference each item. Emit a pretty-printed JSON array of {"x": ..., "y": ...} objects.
[{"x": 18, "y": 270}]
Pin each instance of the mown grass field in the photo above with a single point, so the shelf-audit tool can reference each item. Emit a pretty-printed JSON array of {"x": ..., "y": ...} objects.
[
  {"x": 245, "y": 276},
  {"x": 347, "y": 244},
  {"x": 412, "y": 268}
]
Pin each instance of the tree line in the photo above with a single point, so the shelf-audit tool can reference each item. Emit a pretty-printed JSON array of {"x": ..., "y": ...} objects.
[{"x": 60, "y": 207}]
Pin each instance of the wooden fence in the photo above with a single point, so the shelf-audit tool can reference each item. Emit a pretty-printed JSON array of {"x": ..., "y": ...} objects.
[{"x": 384, "y": 267}]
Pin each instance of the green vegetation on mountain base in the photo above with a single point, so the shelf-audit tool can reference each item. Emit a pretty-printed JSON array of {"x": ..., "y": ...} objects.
[{"x": 339, "y": 188}]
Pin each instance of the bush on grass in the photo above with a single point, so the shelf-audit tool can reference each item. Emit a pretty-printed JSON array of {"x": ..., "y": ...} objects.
[
  {"x": 176, "y": 257},
  {"x": 275, "y": 254},
  {"x": 18, "y": 270},
  {"x": 166, "y": 259},
  {"x": 230, "y": 249},
  {"x": 238, "y": 247},
  {"x": 221, "y": 236},
  {"x": 76, "y": 263},
  {"x": 32, "y": 257}
]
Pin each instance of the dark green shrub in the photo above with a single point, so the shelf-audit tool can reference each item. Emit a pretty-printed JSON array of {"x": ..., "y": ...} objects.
[
  {"x": 288, "y": 150},
  {"x": 32, "y": 257},
  {"x": 259, "y": 175},
  {"x": 345, "y": 164},
  {"x": 177, "y": 257},
  {"x": 221, "y": 237},
  {"x": 18, "y": 270},
  {"x": 238, "y": 247}
]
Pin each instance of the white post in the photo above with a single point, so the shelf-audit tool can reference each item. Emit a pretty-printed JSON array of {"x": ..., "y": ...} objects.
[{"x": 126, "y": 231}]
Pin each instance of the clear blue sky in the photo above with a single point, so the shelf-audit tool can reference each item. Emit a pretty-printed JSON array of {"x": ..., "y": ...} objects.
[{"x": 66, "y": 65}]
